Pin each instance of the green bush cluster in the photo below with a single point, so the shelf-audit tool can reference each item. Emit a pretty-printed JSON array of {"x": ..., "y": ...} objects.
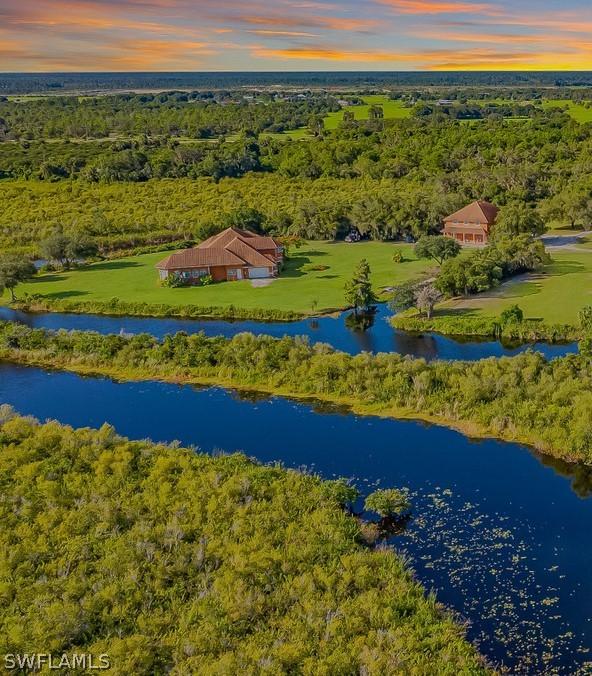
[
  {"x": 119, "y": 308},
  {"x": 528, "y": 330},
  {"x": 171, "y": 561}
]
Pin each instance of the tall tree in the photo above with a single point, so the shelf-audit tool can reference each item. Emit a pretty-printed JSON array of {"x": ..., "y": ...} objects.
[
  {"x": 358, "y": 290},
  {"x": 437, "y": 247},
  {"x": 517, "y": 218},
  {"x": 55, "y": 248},
  {"x": 426, "y": 298},
  {"x": 13, "y": 271}
]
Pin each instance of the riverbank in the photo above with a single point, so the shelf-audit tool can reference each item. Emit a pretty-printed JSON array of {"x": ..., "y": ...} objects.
[
  {"x": 236, "y": 551},
  {"x": 545, "y": 404},
  {"x": 486, "y": 327},
  {"x": 118, "y": 308}
]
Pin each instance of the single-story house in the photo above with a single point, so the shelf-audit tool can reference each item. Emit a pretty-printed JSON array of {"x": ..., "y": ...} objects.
[
  {"x": 230, "y": 255},
  {"x": 471, "y": 225}
]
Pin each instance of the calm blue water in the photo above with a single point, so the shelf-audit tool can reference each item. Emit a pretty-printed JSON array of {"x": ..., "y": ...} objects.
[
  {"x": 381, "y": 337},
  {"x": 502, "y": 537}
]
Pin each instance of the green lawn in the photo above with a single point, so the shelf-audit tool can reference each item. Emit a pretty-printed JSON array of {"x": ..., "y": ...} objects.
[
  {"x": 298, "y": 287},
  {"x": 555, "y": 295},
  {"x": 578, "y": 111},
  {"x": 392, "y": 110}
]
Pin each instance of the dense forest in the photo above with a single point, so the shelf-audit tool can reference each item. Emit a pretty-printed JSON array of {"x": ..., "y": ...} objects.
[
  {"x": 545, "y": 403},
  {"x": 173, "y": 114},
  {"x": 387, "y": 178},
  {"x": 170, "y": 561}
]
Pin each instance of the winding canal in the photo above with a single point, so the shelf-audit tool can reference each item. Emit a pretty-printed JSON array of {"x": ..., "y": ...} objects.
[
  {"x": 380, "y": 337},
  {"x": 501, "y": 535}
]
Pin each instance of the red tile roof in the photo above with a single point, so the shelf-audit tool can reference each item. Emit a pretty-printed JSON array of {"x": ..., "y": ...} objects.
[
  {"x": 195, "y": 258},
  {"x": 250, "y": 255},
  {"x": 480, "y": 212},
  {"x": 231, "y": 247}
]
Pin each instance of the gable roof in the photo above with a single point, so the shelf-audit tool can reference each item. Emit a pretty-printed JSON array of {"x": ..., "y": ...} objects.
[
  {"x": 231, "y": 247},
  {"x": 249, "y": 254},
  {"x": 479, "y": 211},
  {"x": 223, "y": 238},
  {"x": 195, "y": 258}
]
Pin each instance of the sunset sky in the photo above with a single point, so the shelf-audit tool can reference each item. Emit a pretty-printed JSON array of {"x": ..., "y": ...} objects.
[{"x": 193, "y": 35}]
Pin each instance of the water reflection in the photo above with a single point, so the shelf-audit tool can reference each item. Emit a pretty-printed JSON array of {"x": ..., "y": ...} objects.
[
  {"x": 342, "y": 331},
  {"x": 580, "y": 475}
]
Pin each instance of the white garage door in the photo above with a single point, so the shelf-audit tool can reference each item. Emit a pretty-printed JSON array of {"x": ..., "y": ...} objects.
[{"x": 257, "y": 273}]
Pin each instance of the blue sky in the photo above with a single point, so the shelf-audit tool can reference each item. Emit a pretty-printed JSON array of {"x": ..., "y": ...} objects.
[{"x": 122, "y": 35}]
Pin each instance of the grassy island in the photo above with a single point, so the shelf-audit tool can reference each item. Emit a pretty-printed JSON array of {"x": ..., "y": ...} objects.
[
  {"x": 526, "y": 398},
  {"x": 104, "y": 541}
]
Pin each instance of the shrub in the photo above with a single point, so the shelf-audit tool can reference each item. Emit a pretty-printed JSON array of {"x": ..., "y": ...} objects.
[
  {"x": 175, "y": 281},
  {"x": 512, "y": 315},
  {"x": 174, "y": 561},
  {"x": 585, "y": 317},
  {"x": 585, "y": 347},
  {"x": 388, "y": 502}
]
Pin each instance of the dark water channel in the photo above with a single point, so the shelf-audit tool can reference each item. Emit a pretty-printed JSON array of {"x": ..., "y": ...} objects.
[
  {"x": 379, "y": 337},
  {"x": 501, "y": 535}
]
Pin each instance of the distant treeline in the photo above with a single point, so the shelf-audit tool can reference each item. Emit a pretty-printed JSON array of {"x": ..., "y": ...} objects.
[
  {"x": 19, "y": 83},
  {"x": 173, "y": 114}
]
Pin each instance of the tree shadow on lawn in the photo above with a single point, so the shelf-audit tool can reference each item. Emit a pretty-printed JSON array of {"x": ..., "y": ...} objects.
[
  {"x": 47, "y": 278},
  {"x": 294, "y": 267},
  {"x": 108, "y": 265},
  {"x": 518, "y": 290},
  {"x": 62, "y": 295},
  {"x": 314, "y": 252},
  {"x": 455, "y": 312},
  {"x": 560, "y": 268}
]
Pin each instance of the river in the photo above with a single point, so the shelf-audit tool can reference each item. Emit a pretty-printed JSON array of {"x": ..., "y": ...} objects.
[
  {"x": 501, "y": 535},
  {"x": 380, "y": 337}
]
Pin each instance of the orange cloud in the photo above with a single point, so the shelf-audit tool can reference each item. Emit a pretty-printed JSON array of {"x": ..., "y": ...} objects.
[
  {"x": 481, "y": 37},
  {"x": 438, "y": 7},
  {"x": 330, "y": 22},
  {"x": 440, "y": 59},
  {"x": 272, "y": 33},
  {"x": 325, "y": 54}
]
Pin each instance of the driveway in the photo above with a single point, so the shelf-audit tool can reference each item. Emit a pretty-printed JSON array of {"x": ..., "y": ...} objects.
[
  {"x": 262, "y": 282},
  {"x": 565, "y": 242}
]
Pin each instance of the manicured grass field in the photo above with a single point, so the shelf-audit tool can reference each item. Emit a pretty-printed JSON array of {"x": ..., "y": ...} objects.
[
  {"x": 577, "y": 110},
  {"x": 299, "y": 287},
  {"x": 392, "y": 110},
  {"x": 556, "y": 295}
]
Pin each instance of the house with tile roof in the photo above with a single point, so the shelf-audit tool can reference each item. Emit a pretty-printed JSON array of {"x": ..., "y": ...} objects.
[
  {"x": 231, "y": 255},
  {"x": 471, "y": 225}
]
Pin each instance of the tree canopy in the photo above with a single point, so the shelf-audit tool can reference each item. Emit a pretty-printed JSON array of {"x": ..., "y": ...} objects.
[
  {"x": 358, "y": 290},
  {"x": 14, "y": 270},
  {"x": 437, "y": 247}
]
